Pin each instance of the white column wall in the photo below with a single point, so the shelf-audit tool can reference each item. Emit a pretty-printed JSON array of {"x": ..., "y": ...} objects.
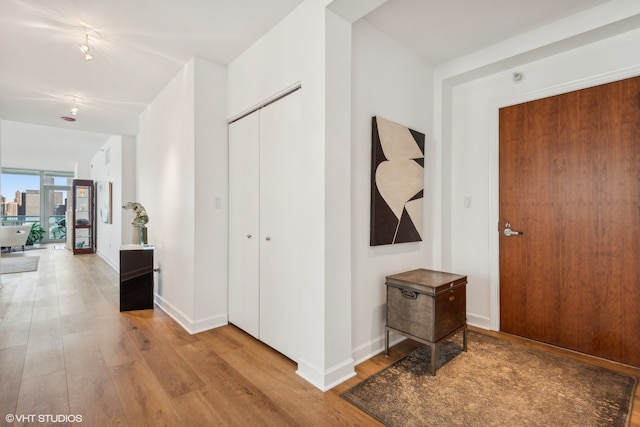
[
  {"x": 391, "y": 82},
  {"x": 211, "y": 187},
  {"x": 165, "y": 163},
  {"x": 337, "y": 174},
  {"x": 128, "y": 187},
  {"x": 191, "y": 285}
]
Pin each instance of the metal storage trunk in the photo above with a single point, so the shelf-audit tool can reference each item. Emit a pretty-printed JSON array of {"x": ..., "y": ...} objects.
[{"x": 426, "y": 304}]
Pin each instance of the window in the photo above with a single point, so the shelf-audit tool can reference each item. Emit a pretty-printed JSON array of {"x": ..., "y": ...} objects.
[{"x": 36, "y": 197}]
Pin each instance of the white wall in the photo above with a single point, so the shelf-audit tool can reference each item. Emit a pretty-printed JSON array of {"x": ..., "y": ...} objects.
[
  {"x": 474, "y": 151},
  {"x": 192, "y": 283},
  {"x": 116, "y": 171},
  {"x": 391, "y": 82},
  {"x": 211, "y": 188},
  {"x": 82, "y": 170},
  {"x": 337, "y": 209},
  {"x": 164, "y": 177},
  {"x": 127, "y": 188}
]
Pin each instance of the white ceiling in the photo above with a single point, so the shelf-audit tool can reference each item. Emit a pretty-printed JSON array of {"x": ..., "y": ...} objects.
[
  {"x": 443, "y": 30},
  {"x": 144, "y": 43}
]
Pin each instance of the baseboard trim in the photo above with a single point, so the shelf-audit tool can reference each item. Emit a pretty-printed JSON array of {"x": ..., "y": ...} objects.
[
  {"x": 480, "y": 321},
  {"x": 116, "y": 267},
  {"x": 209, "y": 323},
  {"x": 375, "y": 347},
  {"x": 327, "y": 379},
  {"x": 193, "y": 327}
]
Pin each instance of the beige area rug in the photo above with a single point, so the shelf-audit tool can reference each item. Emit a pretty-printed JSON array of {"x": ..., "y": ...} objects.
[
  {"x": 18, "y": 263},
  {"x": 496, "y": 383}
]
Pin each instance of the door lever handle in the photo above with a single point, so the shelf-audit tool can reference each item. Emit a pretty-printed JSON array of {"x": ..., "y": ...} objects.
[{"x": 509, "y": 232}]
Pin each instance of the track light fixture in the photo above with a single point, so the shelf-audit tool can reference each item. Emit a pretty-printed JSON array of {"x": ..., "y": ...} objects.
[
  {"x": 74, "y": 108},
  {"x": 85, "y": 49}
]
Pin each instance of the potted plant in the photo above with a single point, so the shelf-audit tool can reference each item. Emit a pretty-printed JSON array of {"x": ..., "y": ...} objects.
[{"x": 36, "y": 234}]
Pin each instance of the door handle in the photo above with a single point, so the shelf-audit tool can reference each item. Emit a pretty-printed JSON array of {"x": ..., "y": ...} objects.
[{"x": 509, "y": 232}]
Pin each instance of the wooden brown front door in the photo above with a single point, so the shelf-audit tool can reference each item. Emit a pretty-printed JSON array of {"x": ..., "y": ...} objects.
[{"x": 570, "y": 183}]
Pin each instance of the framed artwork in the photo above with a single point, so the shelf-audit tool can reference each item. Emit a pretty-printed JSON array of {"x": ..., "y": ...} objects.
[
  {"x": 104, "y": 201},
  {"x": 397, "y": 183}
]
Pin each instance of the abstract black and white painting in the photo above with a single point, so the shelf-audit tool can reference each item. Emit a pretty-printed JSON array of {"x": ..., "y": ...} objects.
[{"x": 397, "y": 183}]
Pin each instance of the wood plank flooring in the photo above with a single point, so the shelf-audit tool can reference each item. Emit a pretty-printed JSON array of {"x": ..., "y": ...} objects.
[{"x": 66, "y": 349}]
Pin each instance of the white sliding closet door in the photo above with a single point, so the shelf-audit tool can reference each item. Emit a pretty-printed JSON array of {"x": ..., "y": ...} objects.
[
  {"x": 244, "y": 223},
  {"x": 282, "y": 222},
  {"x": 267, "y": 223}
]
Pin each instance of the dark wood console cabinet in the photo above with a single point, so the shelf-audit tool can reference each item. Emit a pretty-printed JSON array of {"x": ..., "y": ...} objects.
[{"x": 136, "y": 277}]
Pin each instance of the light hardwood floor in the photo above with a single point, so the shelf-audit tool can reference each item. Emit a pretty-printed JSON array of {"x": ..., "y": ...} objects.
[{"x": 65, "y": 349}]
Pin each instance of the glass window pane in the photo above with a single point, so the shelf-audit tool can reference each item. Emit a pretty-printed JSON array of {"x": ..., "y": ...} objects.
[
  {"x": 31, "y": 196},
  {"x": 20, "y": 198},
  {"x": 56, "y": 201},
  {"x": 58, "y": 178}
]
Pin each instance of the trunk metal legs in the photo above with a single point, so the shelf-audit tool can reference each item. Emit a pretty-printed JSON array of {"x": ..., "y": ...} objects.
[{"x": 433, "y": 345}]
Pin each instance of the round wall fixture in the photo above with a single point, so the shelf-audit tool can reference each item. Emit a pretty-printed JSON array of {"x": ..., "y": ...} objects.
[{"x": 68, "y": 119}]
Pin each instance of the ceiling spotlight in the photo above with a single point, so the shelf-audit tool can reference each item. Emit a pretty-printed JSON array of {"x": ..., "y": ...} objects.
[
  {"x": 87, "y": 32},
  {"x": 85, "y": 49},
  {"x": 74, "y": 108}
]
